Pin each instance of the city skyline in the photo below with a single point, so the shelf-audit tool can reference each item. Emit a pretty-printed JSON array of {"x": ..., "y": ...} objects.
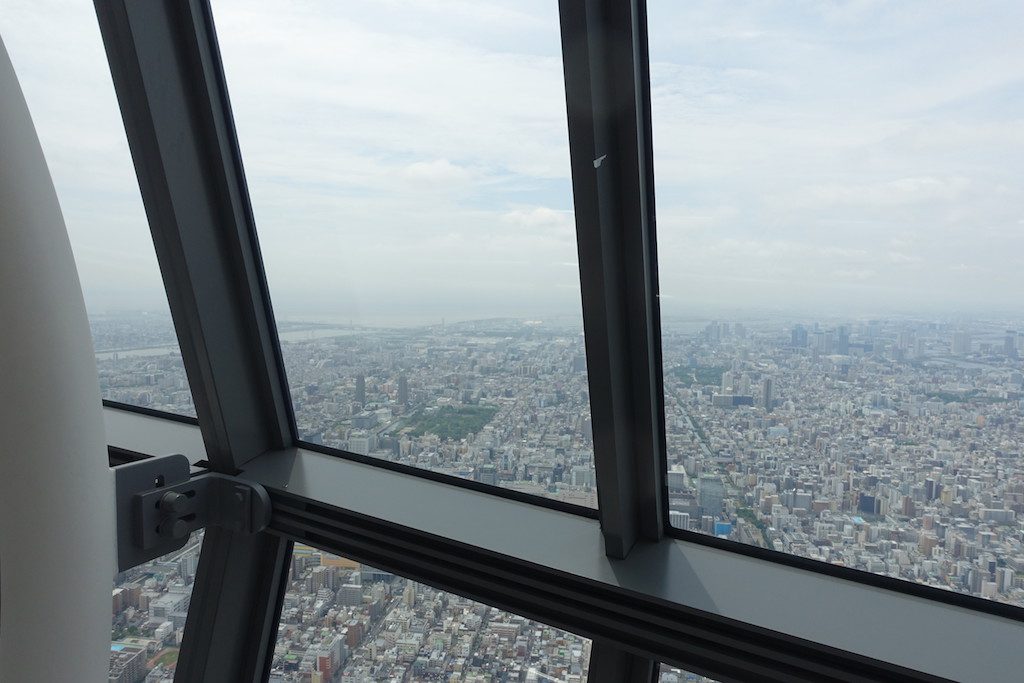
[
  {"x": 893, "y": 431},
  {"x": 888, "y": 446}
]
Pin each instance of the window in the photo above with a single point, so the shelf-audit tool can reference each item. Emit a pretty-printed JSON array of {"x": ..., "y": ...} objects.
[
  {"x": 58, "y": 55},
  {"x": 710, "y": 605},
  {"x": 150, "y": 605},
  {"x": 841, "y": 382},
  {"x": 139, "y": 361},
  {"x": 350, "y": 622},
  {"x": 409, "y": 174}
]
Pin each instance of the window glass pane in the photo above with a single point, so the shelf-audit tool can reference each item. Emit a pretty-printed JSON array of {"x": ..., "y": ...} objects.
[
  {"x": 139, "y": 360},
  {"x": 58, "y": 55},
  {"x": 150, "y": 604},
  {"x": 409, "y": 171},
  {"x": 840, "y": 237},
  {"x": 349, "y": 622},
  {"x": 670, "y": 674}
]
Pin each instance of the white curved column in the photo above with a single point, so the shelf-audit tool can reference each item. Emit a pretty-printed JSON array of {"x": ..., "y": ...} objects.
[{"x": 56, "y": 490}]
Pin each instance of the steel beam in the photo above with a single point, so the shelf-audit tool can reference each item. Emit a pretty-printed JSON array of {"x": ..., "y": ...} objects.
[
  {"x": 604, "y": 54},
  {"x": 170, "y": 86},
  {"x": 710, "y": 608}
]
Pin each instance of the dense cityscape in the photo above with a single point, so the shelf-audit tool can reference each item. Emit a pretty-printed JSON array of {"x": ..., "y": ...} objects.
[
  {"x": 887, "y": 445},
  {"x": 150, "y": 605},
  {"x": 504, "y": 402},
  {"x": 343, "y": 622}
]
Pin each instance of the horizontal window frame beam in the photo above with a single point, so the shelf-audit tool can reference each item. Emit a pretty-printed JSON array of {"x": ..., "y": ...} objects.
[
  {"x": 197, "y": 456},
  {"x": 624, "y": 624},
  {"x": 881, "y": 581},
  {"x": 417, "y": 525},
  {"x": 452, "y": 480}
]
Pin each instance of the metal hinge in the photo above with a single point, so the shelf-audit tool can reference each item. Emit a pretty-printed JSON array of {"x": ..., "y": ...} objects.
[{"x": 159, "y": 503}]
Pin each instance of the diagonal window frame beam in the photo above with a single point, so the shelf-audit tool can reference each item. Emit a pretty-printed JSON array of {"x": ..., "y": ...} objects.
[
  {"x": 170, "y": 86},
  {"x": 171, "y": 89}
]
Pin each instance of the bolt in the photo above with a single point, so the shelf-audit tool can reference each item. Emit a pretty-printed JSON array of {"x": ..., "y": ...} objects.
[
  {"x": 172, "y": 503},
  {"x": 177, "y": 529}
]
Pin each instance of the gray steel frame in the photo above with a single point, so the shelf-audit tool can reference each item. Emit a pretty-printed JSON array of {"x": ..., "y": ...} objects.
[
  {"x": 604, "y": 55},
  {"x": 170, "y": 85}
]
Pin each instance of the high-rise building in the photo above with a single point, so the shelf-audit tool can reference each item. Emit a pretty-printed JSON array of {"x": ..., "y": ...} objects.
[
  {"x": 362, "y": 442},
  {"x": 961, "y": 345},
  {"x": 798, "y": 337},
  {"x": 582, "y": 475},
  {"x": 127, "y": 663},
  {"x": 486, "y": 474},
  {"x": 679, "y": 520},
  {"x": 825, "y": 342},
  {"x": 403, "y": 390},
  {"x": 579, "y": 363},
  {"x": 843, "y": 340},
  {"x": 1010, "y": 344},
  {"x": 767, "y": 394},
  {"x": 728, "y": 379},
  {"x": 711, "y": 493},
  {"x": 360, "y": 397},
  {"x": 350, "y": 594},
  {"x": 868, "y": 504}
]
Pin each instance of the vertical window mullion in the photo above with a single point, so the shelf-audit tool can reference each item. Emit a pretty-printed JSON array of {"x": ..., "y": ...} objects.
[{"x": 604, "y": 56}]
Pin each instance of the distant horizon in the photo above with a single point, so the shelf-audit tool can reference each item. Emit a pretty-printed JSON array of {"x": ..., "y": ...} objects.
[{"x": 695, "y": 315}]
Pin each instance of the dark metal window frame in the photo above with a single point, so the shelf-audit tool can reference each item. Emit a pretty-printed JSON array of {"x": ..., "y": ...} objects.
[{"x": 644, "y": 592}]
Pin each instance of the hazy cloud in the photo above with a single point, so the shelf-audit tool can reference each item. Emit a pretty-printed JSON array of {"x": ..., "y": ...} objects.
[{"x": 410, "y": 159}]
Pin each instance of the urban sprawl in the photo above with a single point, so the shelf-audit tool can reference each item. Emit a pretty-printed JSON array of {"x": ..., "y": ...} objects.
[{"x": 887, "y": 445}]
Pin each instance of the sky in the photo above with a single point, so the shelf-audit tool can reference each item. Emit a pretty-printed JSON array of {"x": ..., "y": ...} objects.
[{"x": 408, "y": 160}]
